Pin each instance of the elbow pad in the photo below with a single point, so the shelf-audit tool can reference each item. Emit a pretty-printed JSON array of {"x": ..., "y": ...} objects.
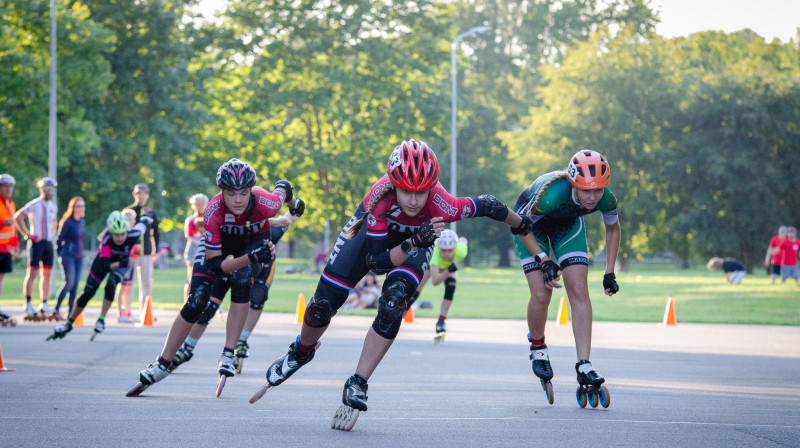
[
  {"x": 491, "y": 207},
  {"x": 380, "y": 263},
  {"x": 215, "y": 266},
  {"x": 287, "y": 187}
]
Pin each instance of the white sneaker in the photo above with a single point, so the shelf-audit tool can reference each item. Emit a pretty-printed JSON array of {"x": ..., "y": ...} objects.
[
  {"x": 29, "y": 309},
  {"x": 45, "y": 308}
]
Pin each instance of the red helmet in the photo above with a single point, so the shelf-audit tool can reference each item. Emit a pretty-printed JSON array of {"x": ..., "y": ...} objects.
[
  {"x": 588, "y": 170},
  {"x": 413, "y": 166}
]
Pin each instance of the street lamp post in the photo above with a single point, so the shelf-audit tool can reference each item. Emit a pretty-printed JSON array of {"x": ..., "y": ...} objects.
[{"x": 453, "y": 105}]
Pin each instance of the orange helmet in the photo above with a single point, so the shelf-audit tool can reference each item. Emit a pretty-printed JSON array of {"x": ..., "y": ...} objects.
[
  {"x": 588, "y": 170},
  {"x": 413, "y": 166}
]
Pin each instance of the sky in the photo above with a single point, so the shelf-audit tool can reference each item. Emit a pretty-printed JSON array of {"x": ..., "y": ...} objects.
[{"x": 769, "y": 18}]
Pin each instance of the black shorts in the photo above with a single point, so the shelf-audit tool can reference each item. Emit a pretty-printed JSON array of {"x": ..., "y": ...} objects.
[
  {"x": 6, "y": 263},
  {"x": 776, "y": 270},
  {"x": 41, "y": 252}
]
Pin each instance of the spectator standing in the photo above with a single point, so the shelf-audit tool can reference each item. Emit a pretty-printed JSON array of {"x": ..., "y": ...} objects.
[
  {"x": 790, "y": 247},
  {"x": 42, "y": 214},
  {"x": 9, "y": 241},
  {"x": 772, "y": 261},
  {"x": 148, "y": 244},
  {"x": 69, "y": 246},
  {"x": 193, "y": 229}
]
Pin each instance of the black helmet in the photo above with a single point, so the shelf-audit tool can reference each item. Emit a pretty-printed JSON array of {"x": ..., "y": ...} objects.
[{"x": 235, "y": 175}]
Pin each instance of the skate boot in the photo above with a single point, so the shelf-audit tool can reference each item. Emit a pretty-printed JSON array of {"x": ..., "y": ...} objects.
[
  {"x": 99, "y": 326},
  {"x": 590, "y": 389},
  {"x": 540, "y": 357},
  {"x": 284, "y": 367},
  {"x": 227, "y": 368},
  {"x": 354, "y": 401},
  {"x": 6, "y": 320},
  {"x": 45, "y": 309},
  {"x": 30, "y": 313},
  {"x": 242, "y": 351},
  {"x": 184, "y": 355},
  {"x": 441, "y": 331},
  {"x": 60, "y": 331},
  {"x": 57, "y": 316},
  {"x": 154, "y": 373}
]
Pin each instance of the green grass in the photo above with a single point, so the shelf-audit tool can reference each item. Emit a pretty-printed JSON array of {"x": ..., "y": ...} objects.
[{"x": 485, "y": 292}]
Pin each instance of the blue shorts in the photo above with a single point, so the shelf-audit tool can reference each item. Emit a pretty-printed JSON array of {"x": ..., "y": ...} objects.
[{"x": 790, "y": 272}]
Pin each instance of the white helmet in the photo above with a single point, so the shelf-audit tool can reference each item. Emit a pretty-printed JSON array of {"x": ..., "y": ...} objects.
[
  {"x": 7, "y": 179},
  {"x": 447, "y": 240},
  {"x": 199, "y": 197}
]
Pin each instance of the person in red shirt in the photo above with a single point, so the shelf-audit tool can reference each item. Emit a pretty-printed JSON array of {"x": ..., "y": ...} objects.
[
  {"x": 392, "y": 232},
  {"x": 772, "y": 261},
  {"x": 789, "y": 249}
]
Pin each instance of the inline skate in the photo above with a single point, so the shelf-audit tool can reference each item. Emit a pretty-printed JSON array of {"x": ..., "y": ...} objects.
[
  {"x": 284, "y": 367},
  {"x": 354, "y": 401},
  {"x": 590, "y": 389}
]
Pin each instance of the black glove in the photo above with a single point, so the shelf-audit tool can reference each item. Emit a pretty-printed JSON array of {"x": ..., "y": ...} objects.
[
  {"x": 550, "y": 270},
  {"x": 261, "y": 254},
  {"x": 452, "y": 268},
  {"x": 298, "y": 209},
  {"x": 123, "y": 261},
  {"x": 287, "y": 187},
  {"x": 524, "y": 227},
  {"x": 610, "y": 283},
  {"x": 425, "y": 236},
  {"x": 148, "y": 218}
]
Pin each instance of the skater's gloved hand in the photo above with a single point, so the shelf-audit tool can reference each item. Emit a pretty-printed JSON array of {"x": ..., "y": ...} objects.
[
  {"x": 610, "y": 284},
  {"x": 123, "y": 261},
  {"x": 262, "y": 254},
  {"x": 525, "y": 226},
  {"x": 427, "y": 233},
  {"x": 550, "y": 274},
  {"x": 299, "y": 207},
  {"x": 453, "y": 267}
]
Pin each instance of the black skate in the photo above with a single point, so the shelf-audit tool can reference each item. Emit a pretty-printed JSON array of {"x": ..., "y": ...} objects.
[
  {"x": 6, "y": 320},
  {"x": 183, "y": 355},
  {"x": 590, "y": 389},
  {"x": 60, "y": 331},
  {"x": 284, "y": 367},
  {"x": 441, "y": 332},
  {"x": 242, "y": 351},
  {"x": 99, "y": 326},
  {"x": 542, "y": 369},
  {"x": 354, "y": 401}
]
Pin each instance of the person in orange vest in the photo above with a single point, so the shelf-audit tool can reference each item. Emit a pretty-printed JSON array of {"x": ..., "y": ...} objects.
[{"x": 9, "y": 241}]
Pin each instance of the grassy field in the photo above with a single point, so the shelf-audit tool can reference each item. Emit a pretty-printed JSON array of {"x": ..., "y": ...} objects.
[{"x": 483, "y": 292}]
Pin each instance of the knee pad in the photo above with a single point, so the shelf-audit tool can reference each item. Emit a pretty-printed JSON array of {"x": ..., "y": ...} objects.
[
  {"x": 199, "y": 294},
  {"x": 259, "y": 294},
  {"x": 83, "y": 299},
  {"x": 110, "y": 289},
  {"x": 449, "y": 288},
  {"x": 242, "y": 276},
  {"x": 392, "y": 305},
  {"x": 319, "y": 312},
  {"x": 208, "y": 313}
]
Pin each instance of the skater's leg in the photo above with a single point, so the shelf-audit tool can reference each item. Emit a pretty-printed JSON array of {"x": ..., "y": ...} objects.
[
  {"x": 575, "y": 282},
  {"x": 233, "y": 328},
  {"x": 372, "y": 352},
  {"x": 27, "y": 285},
  {"x": 44, "y": 283},
  {"x": 538, "y": 304}
]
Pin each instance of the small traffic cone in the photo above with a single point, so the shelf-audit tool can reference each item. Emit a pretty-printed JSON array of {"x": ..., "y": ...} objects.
[
  {"x": 2, "y": 368},
  {"x": 147, "y": 315},
  {"x": 409, "y": 317},
  {"x": 300, "y": 312},
  {"x": 562, "y": 318},
  {"x": 78, "y": 321},
  {"x": 669, "y": 313}
]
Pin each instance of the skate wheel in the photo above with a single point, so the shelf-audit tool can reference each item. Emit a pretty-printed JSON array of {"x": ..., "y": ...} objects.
[
  {"x": 4, "y": 323},
  {"x": 239, "y": 364},
  {"x": 594, "y": 400},
  {"x": 13, "y": 323},
  {"x": 605, "y": 397},
  {"x": 220, "y": 384},
  {"x": 137, "y": 389},
  {"x": 580, "y": 394},
  {"x": 260, "y": 392},
  {"x": 94, "y": 335},
  {"x": 344, "y": 419},
  {"x": 548, "y": 390}
]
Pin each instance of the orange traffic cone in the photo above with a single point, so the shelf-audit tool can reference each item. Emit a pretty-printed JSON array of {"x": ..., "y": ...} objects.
[
  {"x": 409, "y": 317},
  {"x": 563, "y": 315},
  {"x": 2, "y": 368},
  {"x": 669, "y": 314},
  {"x": 147, "y": 315},
  {"x": 78, "y": 321},
  {"x": 300, "y": 311}
]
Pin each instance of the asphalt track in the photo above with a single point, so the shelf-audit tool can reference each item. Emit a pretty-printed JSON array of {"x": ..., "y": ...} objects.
[{"x": 683, "y": 386}]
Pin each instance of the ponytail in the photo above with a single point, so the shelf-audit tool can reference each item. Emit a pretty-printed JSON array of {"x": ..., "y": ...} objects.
[
  {"x": 543, "y": 189},
  {"x": 353, "y": 230}
]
